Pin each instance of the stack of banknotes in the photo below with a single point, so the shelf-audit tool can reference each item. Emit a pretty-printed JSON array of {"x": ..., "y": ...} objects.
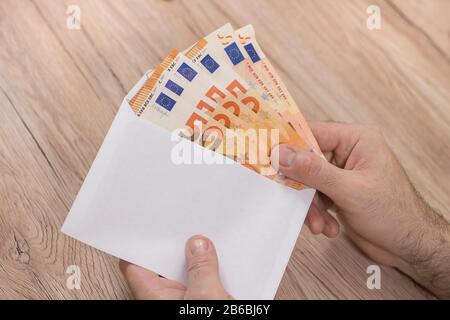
[{"x": 224, "y": 94}]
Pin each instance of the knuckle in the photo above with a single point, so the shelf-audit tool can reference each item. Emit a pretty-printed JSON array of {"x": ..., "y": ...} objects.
[
  {"x": 313, "y": 167},
  {"x": 199, "y": 264},
  {"x": 307, "y": 166},
  {"x": 318, "y": 169}
]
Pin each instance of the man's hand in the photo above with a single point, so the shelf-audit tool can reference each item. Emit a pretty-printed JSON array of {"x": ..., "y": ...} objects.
[
  {"x": 203, "y": 276},
  {"x": 368, "y": 189}
]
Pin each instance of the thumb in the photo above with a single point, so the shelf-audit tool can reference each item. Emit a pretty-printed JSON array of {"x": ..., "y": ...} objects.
[
  {"x": 203, "y": 270},
  {"x": 308, "y": 168}
]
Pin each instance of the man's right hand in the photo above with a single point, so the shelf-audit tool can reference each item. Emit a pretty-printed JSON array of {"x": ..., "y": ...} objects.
[{"x": 373, "y": 198}]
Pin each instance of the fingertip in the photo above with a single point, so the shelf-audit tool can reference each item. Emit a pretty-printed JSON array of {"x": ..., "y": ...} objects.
[
  {"x": 197, "y": 237},
  {"x": 315, "y": 220},
  {"x": 317, "y": 226},
  {"x": 199, "y": 244},
  {"x": 331, "y": 229}
]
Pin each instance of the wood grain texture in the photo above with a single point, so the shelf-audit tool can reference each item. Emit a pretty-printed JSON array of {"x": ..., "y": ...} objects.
[{"x": 60, "y": 89}]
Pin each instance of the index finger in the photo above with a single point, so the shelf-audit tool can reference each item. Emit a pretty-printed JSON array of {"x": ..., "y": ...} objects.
[{"x": 339, "y": 139}]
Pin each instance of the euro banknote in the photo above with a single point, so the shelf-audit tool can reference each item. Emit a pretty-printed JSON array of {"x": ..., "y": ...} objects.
[{"x": 216, "y": 93}]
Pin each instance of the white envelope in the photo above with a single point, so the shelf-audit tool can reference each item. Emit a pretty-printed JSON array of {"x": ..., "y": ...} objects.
[{"x": 136, "y": 204}]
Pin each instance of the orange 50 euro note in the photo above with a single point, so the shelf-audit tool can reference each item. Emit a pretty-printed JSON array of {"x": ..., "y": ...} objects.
[
  {"x": 267, "y": 77},
  {"x": 181, "y": 97},
  {"x": 242, "y": 53}
]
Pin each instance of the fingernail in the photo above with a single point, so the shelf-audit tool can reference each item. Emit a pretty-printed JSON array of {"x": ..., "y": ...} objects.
[
  {"x": 287, "y": 156},
  {"x": 198, "y": 246}
]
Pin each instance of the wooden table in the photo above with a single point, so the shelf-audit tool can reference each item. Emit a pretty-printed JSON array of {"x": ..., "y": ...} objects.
[{"x": 60, "y": 89}]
